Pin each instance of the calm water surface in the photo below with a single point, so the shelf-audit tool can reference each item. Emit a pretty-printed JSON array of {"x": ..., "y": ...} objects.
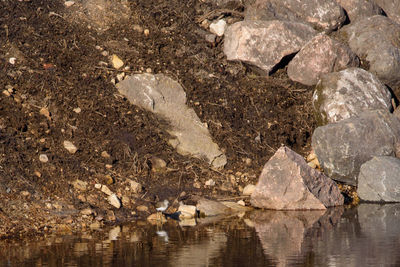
[{"x": 368, "y": 235}]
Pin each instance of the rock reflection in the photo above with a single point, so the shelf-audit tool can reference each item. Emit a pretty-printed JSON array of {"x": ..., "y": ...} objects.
[{"x": 282, "y": 233}]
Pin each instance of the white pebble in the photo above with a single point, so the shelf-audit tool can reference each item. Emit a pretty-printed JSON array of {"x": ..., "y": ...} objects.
[
  {"x": 12, "y": 60},
  {"x": 218, "y": 27},
  {"x": 43, "y": 158},
  {"x": 70, "y": 147}
]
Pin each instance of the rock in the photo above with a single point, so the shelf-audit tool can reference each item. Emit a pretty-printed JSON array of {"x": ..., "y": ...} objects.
[
  {"x": 79, "y": 185},
  {"x": 379, "y": 180},
  {"x": 97, "y": 186},
  {"x": 187, "y": 211},
  {"x": 105, "y": 155},
  {"x": 69, "y": 3},
  {"x": 391, "y": 8},
  {"x": 114, "y": 201},
  {"x": 156, "y": 218},
  {"x": 374, "y": 39},
  {"x": 359, "y": 9},
  {"x": 158, "y": 164},
  {"x": 218, "y": 27},
  {"x": 236, "y": 207},
  {"x": 211, "y": 208},
  {"x": 344, "y": 146},
  {"x": 70, "y": 147},
  {"x": 323, "y": 14},
  {"x": 135, "y": 186},
  {"x": 187, "y": 222},
  {"x": 116, "y": 62},
  {"x": 348, "y": 93},
  {"x": 45, "y": 112},
  {"x": 43, "y": 158},
  {"x": 319, "y": 56},
  {"x": 142, "y": 208},
  {"x": 288, "y": 183},
  {"x": 166, "y": 98},
  {"x": 210, "y": 182},
  {"x": 87, "y": 211},
  {"x": 241, "y": 202},
  {"x": 94, "y": 226},
  {"x": 265, "y": 43},
  {"x": 248, "y": 190},
  {"x": 106, "y": 190}
]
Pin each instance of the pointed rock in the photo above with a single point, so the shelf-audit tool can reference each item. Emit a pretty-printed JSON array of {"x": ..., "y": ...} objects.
[{"x": 288, "y": 183}]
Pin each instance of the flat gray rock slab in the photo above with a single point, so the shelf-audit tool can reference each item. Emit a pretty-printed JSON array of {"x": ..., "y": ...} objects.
[
  {"x": 320, "y": 55},
  {"x": 208, "y": 207},
  {"x": 359, "y": 9},
  {"x": 376, "y": 40},
  {"x": 323, "y": 14},
  {"x": 166, "y": 98},
  {"x": 288, "y": 183},
  {"x": 344, "y": 94},
  {"x": 391, "y": 8},
  {"x": 342, "y": 147},
  {"x": 265, "y": 43},
  {"x": 379, "y": 180}
]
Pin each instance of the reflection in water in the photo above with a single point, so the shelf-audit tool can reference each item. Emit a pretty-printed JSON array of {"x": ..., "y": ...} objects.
[{"x": 368, "y": 235}]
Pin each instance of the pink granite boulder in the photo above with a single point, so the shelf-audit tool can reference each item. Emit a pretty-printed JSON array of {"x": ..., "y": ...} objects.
[{"x": 288, "y": 183}]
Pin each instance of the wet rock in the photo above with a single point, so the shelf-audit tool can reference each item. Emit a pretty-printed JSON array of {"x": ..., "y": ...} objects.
[
  {"x": 344, "y": 94},
  {"x": 359, "y": 9},
  {"x": 79, "y": 185},
  {"x": 265, "y": 43},
  {"x": 116, "y": 62},
  {"x": 188, "y": 222},
  {"x": 374, "y": 39},
  {"x": 323, "y": 14},
  {"x": 236, "y": 207},
  {"x": 114, "y": 201},
  {"x": 218, "y": 27},
  {"x": 248, "y": 189},
  {"x": 165, "y": 97},
  {"x": 288, "y": 183},
  {"x": 68, "y": 145},
  {"x": 319, "y": 56},
  {"x": 187, "y": 211},
  {"x": 344, "y": 146},
  {"x": 391, "y": 8},
  {"x": 211, "y": 208},
  {"x": 379, "y": 180}
]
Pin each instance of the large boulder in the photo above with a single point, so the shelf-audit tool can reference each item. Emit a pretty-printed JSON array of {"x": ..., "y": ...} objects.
[
  {"x": 288, "y": 183},
  {"x": 376, "y": 40},
  {"x": 359, "y": 9},
  {"x": 265, "y": 43},
  {"x": 391, "y": 8},
  {"x": 320, "y": 55},
  {"x": 323, "y": 14},
  {"x": 166, "y": 98},
  {"x": 379, "y": 180},
  {"x": 342, "y": 147},
  {"x": 341, "y": 95}
]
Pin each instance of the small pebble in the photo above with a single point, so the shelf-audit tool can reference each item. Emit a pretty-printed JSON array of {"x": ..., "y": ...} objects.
[
  {"x": 210, "y": 182},
  {"x": 70, "y": 147},
  {"x": 77, "y": 110},
  {"x": 146, "y": 32},
  {"x": 105, "y": 154},
  {"x": 116, "y": 61},
  {"x": 12, "y": 60},
  {"x": 43, "y": 158},
  {"x": 106, "y": 190},
  {"x": 69, "y": 3},
  {"x": 218, "y": 27},
  {"x": 114, "y": 201}
]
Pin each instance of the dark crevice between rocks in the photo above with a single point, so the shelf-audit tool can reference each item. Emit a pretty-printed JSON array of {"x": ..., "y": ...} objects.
[
  {"x": 395, "y": 99},
  {"x": 283, "y": 63}
]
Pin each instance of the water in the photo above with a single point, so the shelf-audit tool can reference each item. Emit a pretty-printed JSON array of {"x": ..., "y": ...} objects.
[{"x": 368, "y": 235}]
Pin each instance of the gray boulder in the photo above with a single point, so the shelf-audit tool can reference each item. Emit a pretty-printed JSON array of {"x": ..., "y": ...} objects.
[
  {"x": 359, "y": 9},
  {"x": 376, "y": 40},
  {"x": 379, "y": 180},
  {"x": 265, "y": 43},
  {"x": 166, "y": 98},
  {"x": 344, "y": 94},
  {"x": 323, "y": 14},
  {"x": 391, "y": 8},
  {"x": 319, "y": 56},
  {"x": 208, "y": 207},
  {"x": 342, "y": 147},
  {"x": 288, "y": 183}
]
